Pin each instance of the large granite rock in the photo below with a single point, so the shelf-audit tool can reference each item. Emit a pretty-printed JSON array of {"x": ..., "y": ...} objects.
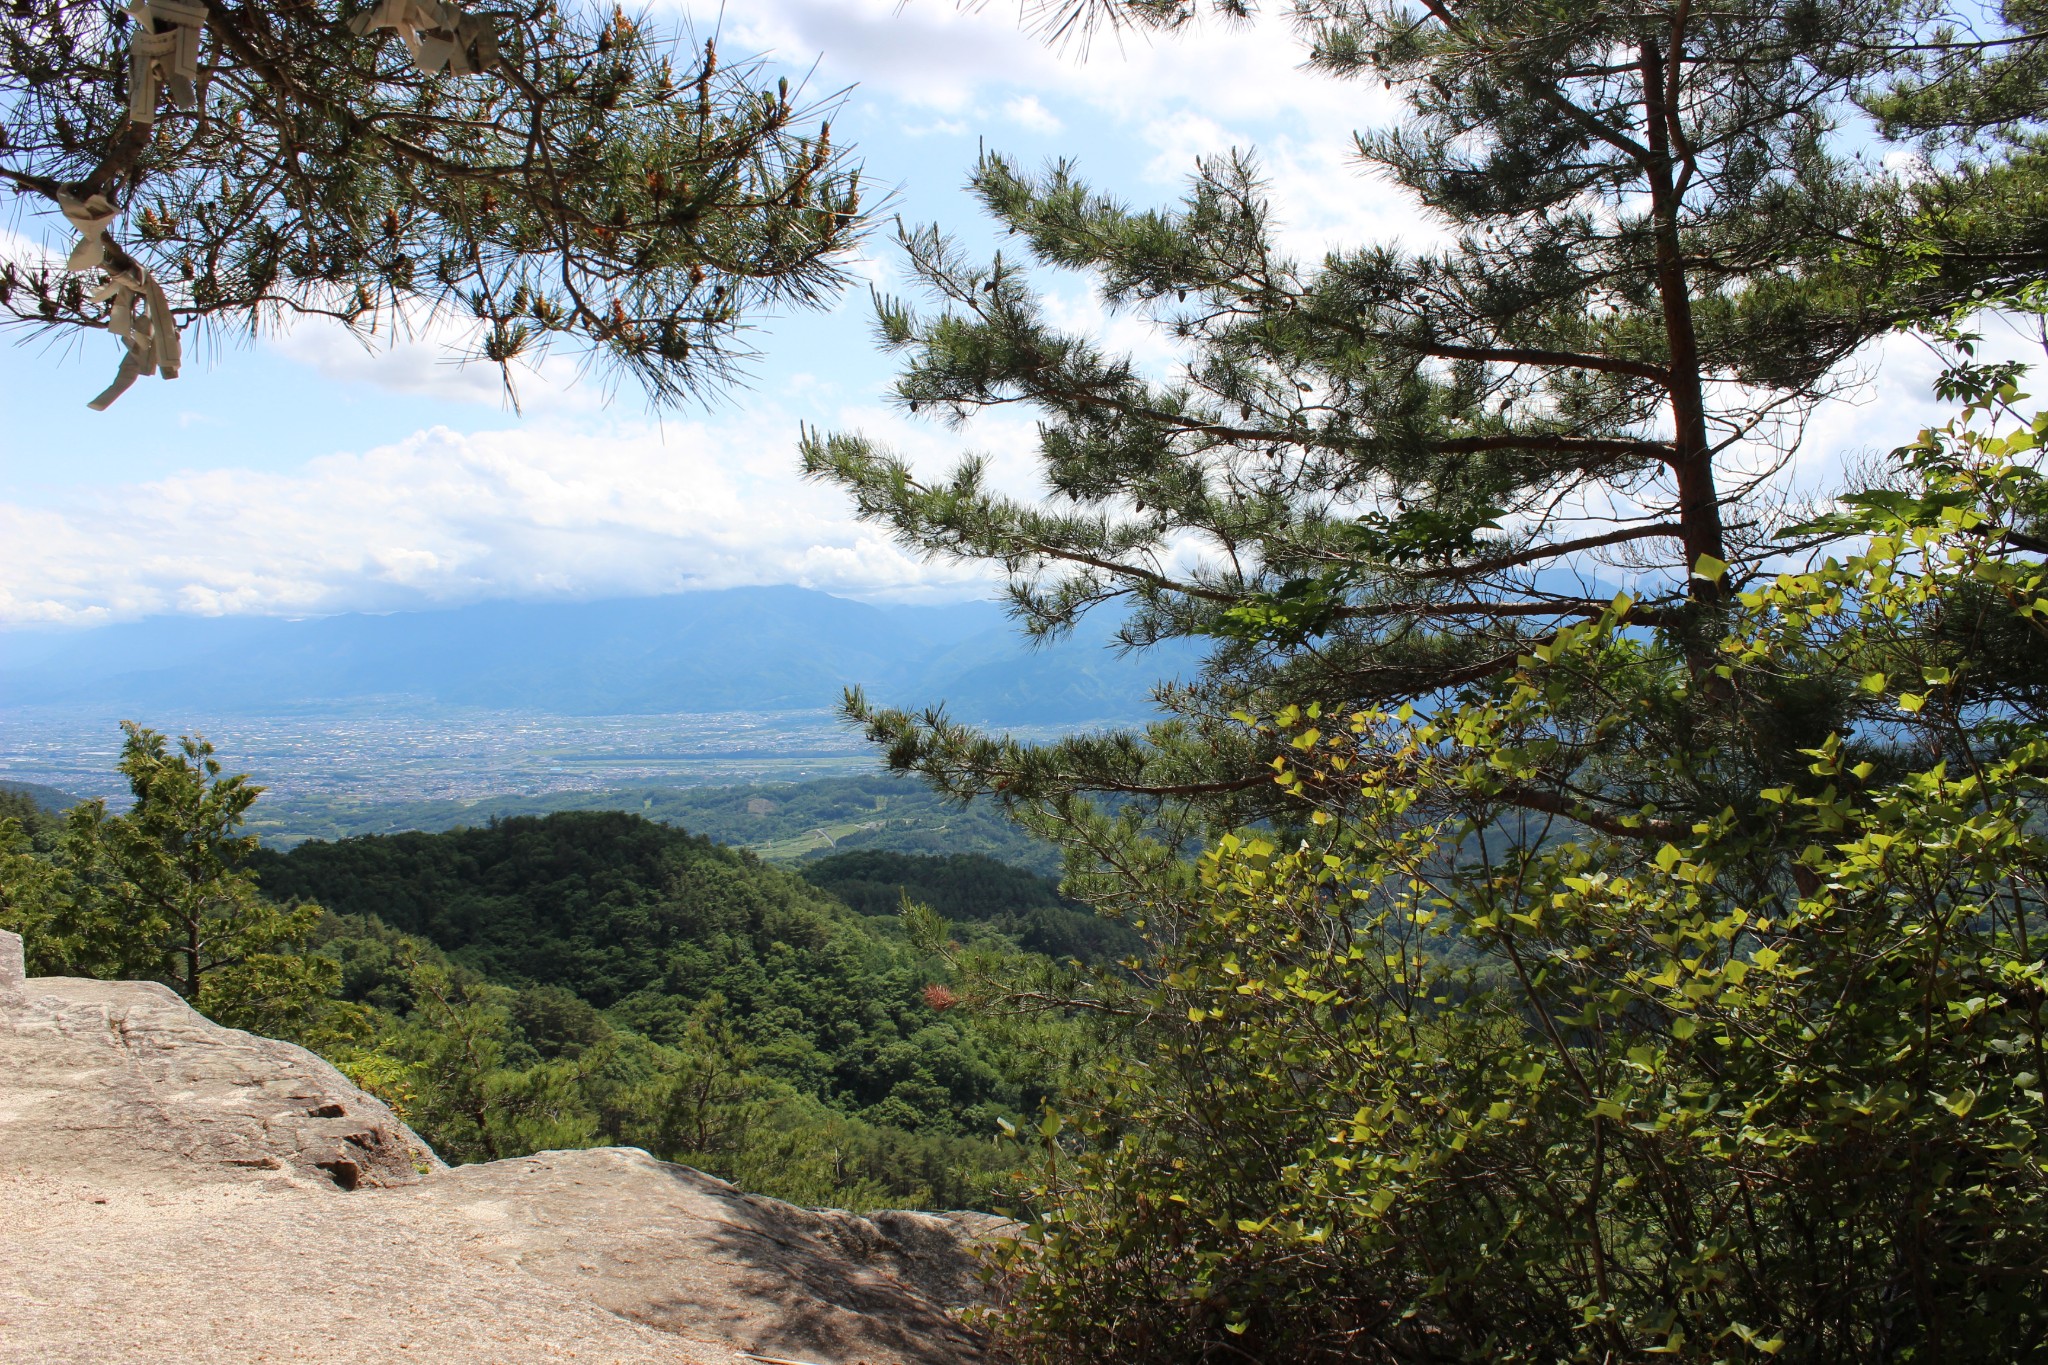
[
  {"x": 125, "y": 1076},
  {"x": 173, "y": 1190}
]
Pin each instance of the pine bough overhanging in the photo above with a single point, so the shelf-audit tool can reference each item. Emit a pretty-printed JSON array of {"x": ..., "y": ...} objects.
[{"x": 576, "y": 188}]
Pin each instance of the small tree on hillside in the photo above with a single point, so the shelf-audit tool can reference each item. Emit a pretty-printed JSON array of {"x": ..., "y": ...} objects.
[
  {"x": 545, "y": 172},
  {"x": 160, "y": 891}
]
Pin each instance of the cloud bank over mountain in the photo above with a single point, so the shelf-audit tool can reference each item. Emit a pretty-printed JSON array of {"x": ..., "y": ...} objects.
[
  {"x": 443, "y": 517},
  {"x": 303, "y": 474}
]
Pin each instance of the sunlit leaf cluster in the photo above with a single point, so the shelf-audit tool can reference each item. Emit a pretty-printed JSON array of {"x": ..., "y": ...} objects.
[{"x": 1431, "y": 1079}]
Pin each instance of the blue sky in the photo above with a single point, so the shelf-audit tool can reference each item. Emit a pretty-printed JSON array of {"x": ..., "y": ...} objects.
[{"x": 299, "y": 474}]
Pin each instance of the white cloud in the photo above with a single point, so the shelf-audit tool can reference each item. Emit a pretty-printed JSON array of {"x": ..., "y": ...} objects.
[
  {"x": 1895, "y": 400},
  {"x": 928, "y": 53},
  {"x": 546, "y": 510},
  {"x": 47, "y": 248},
  {"x": 937, "y": 54},
  {"x": 1322, "y": 195},
  {"x": 1324, "y": 199},
  {"x": 1125, "y": 332},
  {"x": 424, "y": 354},
  {"x": 1199, "y": 92},
  {"x": 1026, "y": 112},
  {"x": 944, "y": 127},
  {"x": 1182, "y": 137}
]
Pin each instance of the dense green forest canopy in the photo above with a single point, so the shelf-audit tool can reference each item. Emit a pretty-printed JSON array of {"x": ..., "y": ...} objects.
[
  {"x": 37, "y": 819},
  {"x": 650, "y": 924},
  {"x": 572, "y": 979},
  {"x": 49, "y": 800},
  {"x": 974, "y": 887}
]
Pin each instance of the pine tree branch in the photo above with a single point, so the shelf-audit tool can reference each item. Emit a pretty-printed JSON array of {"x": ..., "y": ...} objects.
[
  {"x": 1122, "y": 570},
  {"x": 1216, "y": 788},
  {"x": 1580, "y": 606},
  {"x": 1638, "y": 827},
  {"x": 1661, "y": 451},
  {"x": 1524, "y": 355},
  {"x": 1555, "y": 549}
]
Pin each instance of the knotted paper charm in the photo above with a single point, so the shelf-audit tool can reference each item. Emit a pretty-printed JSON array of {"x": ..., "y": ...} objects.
[
  {"x": 92, "y": 217},
  {"x": 471, "y": 48},
  {"x": 151, "y": 335},
  {"x": 167, "y": 59}
]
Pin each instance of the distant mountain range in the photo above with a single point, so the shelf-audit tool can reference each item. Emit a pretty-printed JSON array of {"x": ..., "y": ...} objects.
[{"x": 745, "y": 649}]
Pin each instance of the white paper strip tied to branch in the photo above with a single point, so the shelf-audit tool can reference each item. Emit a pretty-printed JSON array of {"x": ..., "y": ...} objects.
[
  {"x": 470, "y": 48},
  {"x": 167, "y": 59},
  {"x": 472, "y": 51},
  {"x": 92, "y": 217},
  {"x": 149, "y": 332},
  {"x": 403, "y": 17}
]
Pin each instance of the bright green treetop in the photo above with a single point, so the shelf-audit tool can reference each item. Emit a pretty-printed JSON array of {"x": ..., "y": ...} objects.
[{"x": 160, "y": 892}]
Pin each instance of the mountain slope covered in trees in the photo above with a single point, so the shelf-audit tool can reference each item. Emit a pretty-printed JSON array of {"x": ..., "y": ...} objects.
[
  {"x": 1019, "y": 904},
  {"x": 645, "y": 985}
]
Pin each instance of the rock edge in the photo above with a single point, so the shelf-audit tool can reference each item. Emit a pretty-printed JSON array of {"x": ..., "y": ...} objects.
[{"x": 169, "y": 1180}]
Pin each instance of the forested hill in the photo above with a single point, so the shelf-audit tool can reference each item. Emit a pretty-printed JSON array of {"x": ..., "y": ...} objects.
[
  {"x": 48, "y": 800},
  {"x": 606, "y": 903},
  {"x": 973, "y": 887},
  {"x": 604, "y": 923}
]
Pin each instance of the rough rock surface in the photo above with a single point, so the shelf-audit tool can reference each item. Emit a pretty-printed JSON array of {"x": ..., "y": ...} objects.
[
  {"x": 172, "y": 1190},
  {"x": 125, "y": 1076}
]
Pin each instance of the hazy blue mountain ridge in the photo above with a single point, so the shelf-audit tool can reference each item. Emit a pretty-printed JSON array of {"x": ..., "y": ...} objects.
[{"x": 743, "y": 649}]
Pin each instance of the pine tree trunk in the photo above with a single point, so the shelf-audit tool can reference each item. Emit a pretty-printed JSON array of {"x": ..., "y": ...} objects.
[{"x": 1699, "y": 504}]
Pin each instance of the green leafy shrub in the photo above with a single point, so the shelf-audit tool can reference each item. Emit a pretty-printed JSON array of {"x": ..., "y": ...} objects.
[{"x": 1440, "y": 1080}]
